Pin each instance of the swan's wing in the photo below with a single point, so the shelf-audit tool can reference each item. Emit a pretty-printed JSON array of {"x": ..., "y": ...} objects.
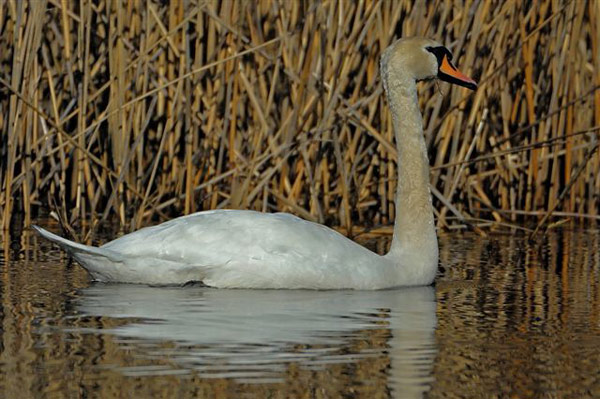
[{"x": 233, "y": 234}]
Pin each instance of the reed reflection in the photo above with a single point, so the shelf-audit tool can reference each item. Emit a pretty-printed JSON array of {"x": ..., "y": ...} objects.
[
  {"x": 506, "y": 318},
  {"x": 518, "y": 318}
]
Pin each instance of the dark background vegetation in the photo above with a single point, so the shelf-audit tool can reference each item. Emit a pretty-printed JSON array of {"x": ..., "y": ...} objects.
[{"x": 138, "y": 111}]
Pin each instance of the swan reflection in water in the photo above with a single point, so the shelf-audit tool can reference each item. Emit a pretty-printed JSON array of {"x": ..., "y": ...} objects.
[{"x": 252, "y": 335}]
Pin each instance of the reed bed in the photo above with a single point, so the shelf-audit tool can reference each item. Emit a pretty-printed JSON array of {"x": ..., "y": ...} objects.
[{"x": 138, "y": 111}]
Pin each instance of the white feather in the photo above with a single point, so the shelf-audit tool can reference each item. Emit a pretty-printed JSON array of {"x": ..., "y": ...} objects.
[{"x": 233, "y": 249}]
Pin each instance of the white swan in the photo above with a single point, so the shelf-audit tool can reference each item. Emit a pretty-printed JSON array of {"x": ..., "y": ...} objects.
[{"x": 246, "y": 249}]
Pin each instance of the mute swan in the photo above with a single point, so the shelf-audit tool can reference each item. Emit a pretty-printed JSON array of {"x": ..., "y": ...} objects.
[{"x": 247, "y": 249}]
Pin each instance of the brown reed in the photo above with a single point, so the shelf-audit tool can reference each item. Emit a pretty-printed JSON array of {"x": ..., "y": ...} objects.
[{"x": 139, "y": 111}]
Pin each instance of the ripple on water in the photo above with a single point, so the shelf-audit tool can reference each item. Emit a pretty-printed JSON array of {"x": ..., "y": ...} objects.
[{"x": 505, "y": 318}]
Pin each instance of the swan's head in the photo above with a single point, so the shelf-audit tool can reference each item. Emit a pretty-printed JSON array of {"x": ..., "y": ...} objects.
[{"x": 423, "y": 59}]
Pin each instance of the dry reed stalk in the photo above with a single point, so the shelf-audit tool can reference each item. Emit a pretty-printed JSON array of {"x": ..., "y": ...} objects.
[{"x": 140, "y": 111}]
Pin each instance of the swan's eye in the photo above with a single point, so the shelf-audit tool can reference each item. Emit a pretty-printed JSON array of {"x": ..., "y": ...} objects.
[
  {"x": 439, "y": 53},
  {"x": 447, "y": 71}
]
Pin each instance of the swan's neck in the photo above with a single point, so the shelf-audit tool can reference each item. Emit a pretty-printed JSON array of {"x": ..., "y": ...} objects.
[{"x": 414, "y": 244}]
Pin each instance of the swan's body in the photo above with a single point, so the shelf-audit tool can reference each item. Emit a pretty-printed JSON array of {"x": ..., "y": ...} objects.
[
  {"x": 230, "y": 248},
  {"x": 246, "y": 249}
]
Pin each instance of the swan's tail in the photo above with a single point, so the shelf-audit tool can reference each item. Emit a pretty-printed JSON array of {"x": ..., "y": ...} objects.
[{"x": 97, "y": 261}]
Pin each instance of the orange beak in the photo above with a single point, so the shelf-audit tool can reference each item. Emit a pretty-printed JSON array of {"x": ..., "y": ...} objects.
[{"x": 449, "y": 73}]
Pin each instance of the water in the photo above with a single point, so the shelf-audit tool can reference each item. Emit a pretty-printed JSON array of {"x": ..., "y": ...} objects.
[{"x": 505, "y": 319}]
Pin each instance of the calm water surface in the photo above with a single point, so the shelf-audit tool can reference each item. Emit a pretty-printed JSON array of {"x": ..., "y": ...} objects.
[{"x": 505, "y": 319}]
